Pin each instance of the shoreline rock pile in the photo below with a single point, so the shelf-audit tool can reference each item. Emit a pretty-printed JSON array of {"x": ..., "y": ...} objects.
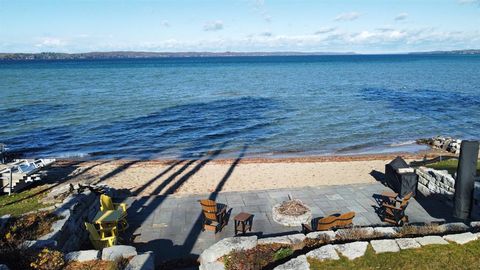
[{"x": 448, "y": 144}]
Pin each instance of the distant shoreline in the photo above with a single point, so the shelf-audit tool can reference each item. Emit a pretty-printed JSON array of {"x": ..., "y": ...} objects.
[{"x": 153, "y": 55}]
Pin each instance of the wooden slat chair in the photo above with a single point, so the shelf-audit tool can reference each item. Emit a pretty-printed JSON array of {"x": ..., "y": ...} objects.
[
  {"x": 214, "y": 216},
  {"x": 392, "y": 197},
  {"x": 394, "y": 212},
  {"x": 106, "y": 203},
  {"x": 334, "y": 221},
  {"x": 98, "y": 238},
  {"x": 345, "y": 220}
]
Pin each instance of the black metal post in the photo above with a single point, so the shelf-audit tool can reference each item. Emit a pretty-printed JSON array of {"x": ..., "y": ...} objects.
[{"x": 466, "y": 170}]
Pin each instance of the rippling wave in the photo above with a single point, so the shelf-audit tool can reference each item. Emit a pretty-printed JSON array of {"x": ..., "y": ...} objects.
[{"x": 187, "y": 108}]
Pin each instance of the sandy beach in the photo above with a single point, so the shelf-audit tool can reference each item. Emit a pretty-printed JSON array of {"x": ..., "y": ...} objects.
[{"x": 206, "y": 176}]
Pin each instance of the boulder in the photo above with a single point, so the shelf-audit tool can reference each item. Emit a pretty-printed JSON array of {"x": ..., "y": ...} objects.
[
  {"x": 4, "y": 267},
  {"x": 119, "y": 251},
  {"x": 324, "y": 253},
  {"x": 461, "y": 238},
  {"x": 431, "y": 240},
  {"x": 144, "y": 261},
  {"x": 298, "y": 263},
  {"x": 83, "y": 255},
  {"x": 407, "y": 243},
  {"x": 225, "y": 246},
  {"x": 352, "y": 250}
]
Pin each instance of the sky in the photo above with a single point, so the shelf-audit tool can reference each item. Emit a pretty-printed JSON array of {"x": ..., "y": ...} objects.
[{"x": 362, "y": 26}]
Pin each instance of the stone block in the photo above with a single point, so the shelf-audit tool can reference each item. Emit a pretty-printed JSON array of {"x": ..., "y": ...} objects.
[
  {"x": 382, "y": 246},
  {"x": 3, "y": 221},
  {"x": 291, "y": 240},
  {"x": 407, "y": 243},
  {"x": 385, "y": 231},
  {"x": 212, "y": 266},
  {"x": 225, "y": 246},
  {"x": 352, "y": 250},
  {"x": 83, "y": 255},
  {"x": 326, "y": 252},
  {"x": 328, "y": 235},
  {"x": 431, "y": 240},
  {"x": 298, "y": 263},
  {"x": 144, "y": 261},
  {"x": 38, "y": 244},
  {"x": 461, "y": 238},
  {"x": 453, "y": 227},
  {"x": 120, "y": 251}
]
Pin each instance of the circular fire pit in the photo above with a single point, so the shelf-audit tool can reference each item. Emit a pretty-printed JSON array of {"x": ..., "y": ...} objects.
[{"x": 291, "y": 213}]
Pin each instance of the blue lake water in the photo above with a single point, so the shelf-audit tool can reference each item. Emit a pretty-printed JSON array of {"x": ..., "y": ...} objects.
[{"x": 191, "y": 107}]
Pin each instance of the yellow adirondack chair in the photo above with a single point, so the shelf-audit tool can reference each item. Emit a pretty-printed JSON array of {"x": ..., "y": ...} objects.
[
  {"x": 100, "y": 242},
  {"x": 106, "y": 203}
]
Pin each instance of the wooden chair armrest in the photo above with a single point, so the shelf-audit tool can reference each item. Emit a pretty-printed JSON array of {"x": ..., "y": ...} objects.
[
  {"x": 392, "y": 195},
  {"x": 122, "y": 206},
  {"x": 391, "y": 206}
]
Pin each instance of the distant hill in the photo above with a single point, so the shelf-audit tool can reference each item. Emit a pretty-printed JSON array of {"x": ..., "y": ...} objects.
[
  {"x": 132, "y": 54},
  {"x": 471, "y": 51}
]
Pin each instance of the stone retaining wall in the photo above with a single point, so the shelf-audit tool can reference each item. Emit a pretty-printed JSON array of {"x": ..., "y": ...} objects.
[
  {"x": 344, "y": 241},
  {"x": 137, "y": 261},
  {"x": 69, "y": 233},
  {"x": 431, "y": 181}
]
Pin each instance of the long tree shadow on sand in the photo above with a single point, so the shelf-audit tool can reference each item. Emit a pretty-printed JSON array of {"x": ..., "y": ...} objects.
[
  {"x": 231, "y": 125},
  {"x": 165, "y": 248}
]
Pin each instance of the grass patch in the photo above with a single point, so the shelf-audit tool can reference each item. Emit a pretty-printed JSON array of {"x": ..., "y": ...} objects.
[
  {"x": 449, "y": 165},
  {"x": 22, "y": 202},
  {"x": 450, "y": 256}
]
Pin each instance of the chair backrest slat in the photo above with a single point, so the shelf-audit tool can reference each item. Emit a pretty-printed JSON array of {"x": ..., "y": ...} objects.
[
  {"x": 346, "y": 219},
  {"x": 209, "y": 209},
  {"x": 106, "y": 203}
]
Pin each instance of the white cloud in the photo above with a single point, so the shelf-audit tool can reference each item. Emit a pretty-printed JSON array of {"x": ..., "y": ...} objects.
[
  {"x": 165, "y": 23},
  {"x": 325, "y": 30},
  {"x": 213, "y": 26},
  {"x": 386, "y": 39},
  {"x": 401, "y": 16},
  {"x": 349, "y": 16},
  {"x": 51, "y": 42}
]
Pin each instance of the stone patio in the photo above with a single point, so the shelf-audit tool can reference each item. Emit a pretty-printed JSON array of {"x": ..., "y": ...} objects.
[{"x": 171, "y": 225}]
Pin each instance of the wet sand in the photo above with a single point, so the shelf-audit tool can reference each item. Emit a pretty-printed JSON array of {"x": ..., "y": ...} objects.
[{"x": 159, "y": 177}]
